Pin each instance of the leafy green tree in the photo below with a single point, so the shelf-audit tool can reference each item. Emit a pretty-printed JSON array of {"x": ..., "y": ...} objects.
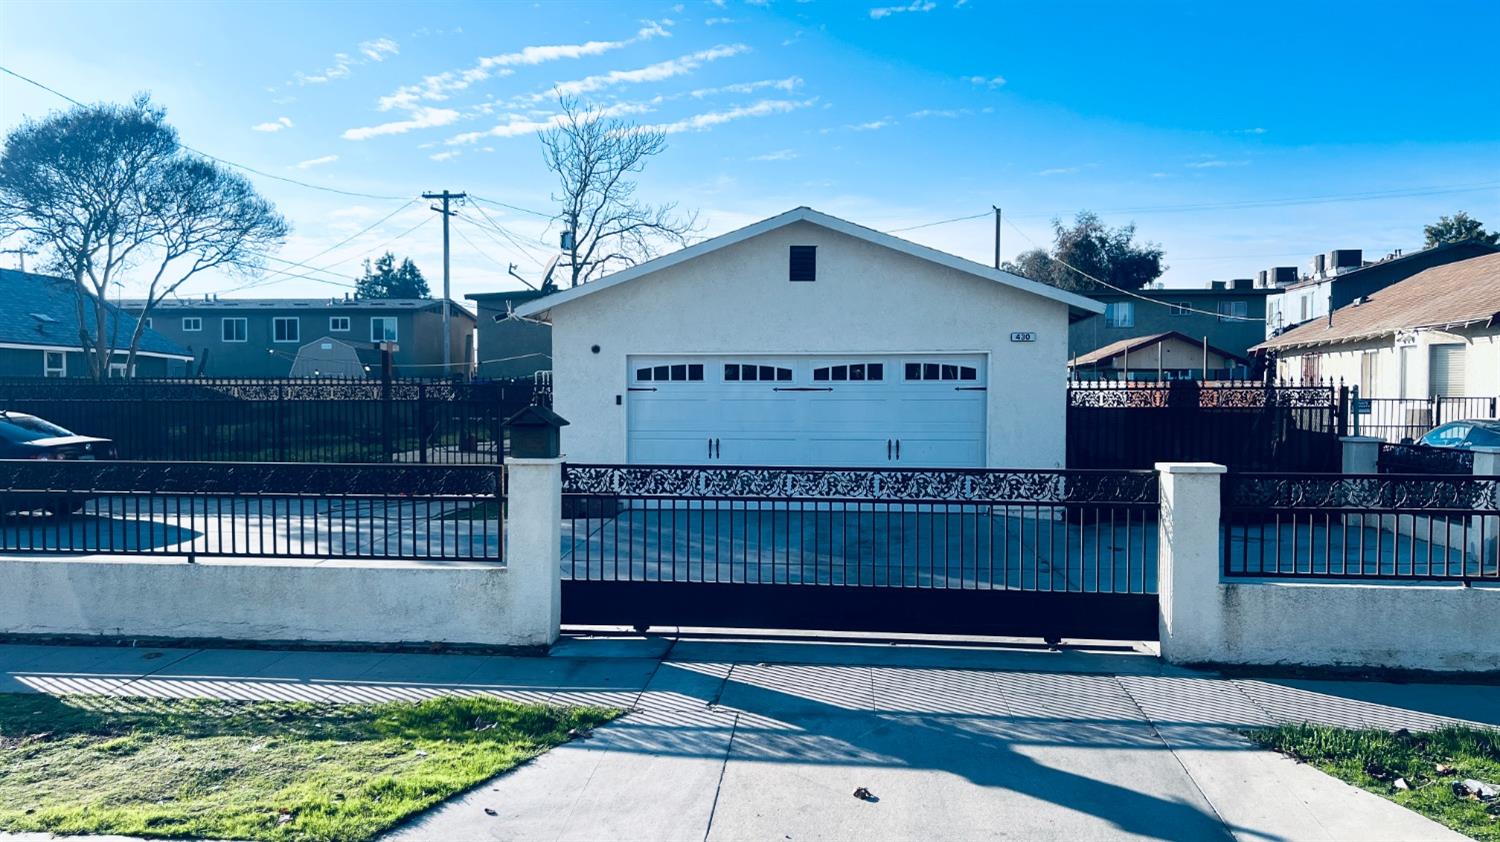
[
  {"x": 1090, "y": 249},
  {"x": 387, "y": 280},
  {"x": 1459, "y": 228}
]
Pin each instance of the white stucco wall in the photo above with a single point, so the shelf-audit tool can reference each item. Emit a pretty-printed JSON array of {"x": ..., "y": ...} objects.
[
  {"x": 1206, "y": 619},
  {"x": 867, "y": 299},
  {"x": 328, "y": 603}
]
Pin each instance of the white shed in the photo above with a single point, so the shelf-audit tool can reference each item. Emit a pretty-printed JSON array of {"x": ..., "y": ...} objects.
[
  {"x": 808, "y": 340},
  {"x": 327, "y": 357}
]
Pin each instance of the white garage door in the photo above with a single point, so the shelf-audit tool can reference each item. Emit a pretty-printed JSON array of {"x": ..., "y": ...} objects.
[{"x": 912, "y": 410}]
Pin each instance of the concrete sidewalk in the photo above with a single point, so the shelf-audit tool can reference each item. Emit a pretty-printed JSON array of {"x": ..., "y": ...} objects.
[{"x": 736, "y": 739}]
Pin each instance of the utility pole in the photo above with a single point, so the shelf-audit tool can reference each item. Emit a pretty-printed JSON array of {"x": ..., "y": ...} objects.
[
  {"x": 997, "y": 237},
  {"x": 447, "y": 315},
  {"x": 20, "y": 252}
]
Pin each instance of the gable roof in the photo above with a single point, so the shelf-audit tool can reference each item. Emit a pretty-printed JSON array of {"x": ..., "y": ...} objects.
[
  {"x": 40, "y": 311},
  {"x": 1077, "y": 304},
  {"x": 1450, "y": 295},
  {"x": 1115, "y": 349}
]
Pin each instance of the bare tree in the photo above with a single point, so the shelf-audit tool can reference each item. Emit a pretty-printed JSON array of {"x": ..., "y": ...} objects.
[
  {"x": 105, "y": 189},
  {"x": 596, "y": 158}
]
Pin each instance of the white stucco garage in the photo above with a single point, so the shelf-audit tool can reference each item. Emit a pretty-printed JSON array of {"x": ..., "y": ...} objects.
[{"x": 880, "y": 353}]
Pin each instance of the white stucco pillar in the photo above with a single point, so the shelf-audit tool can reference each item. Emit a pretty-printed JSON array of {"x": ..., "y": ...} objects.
[
  {"x": 1484, "y": 530},
  {"x": 1188, "y": 561},
  {"x": 533, "y": 542},
  {"x": 1361, "y": 454}
]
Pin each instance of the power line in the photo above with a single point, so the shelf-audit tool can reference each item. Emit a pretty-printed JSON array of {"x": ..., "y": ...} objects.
[
  {"x": 225, "y": 161},
  {"x": 1176, "y": 306},
  {"x": 356, "y": 235},
  {"x": 543, "y": 215},
  {"x": 939, "y": 222},
  {"x": 504, "y": 232}
]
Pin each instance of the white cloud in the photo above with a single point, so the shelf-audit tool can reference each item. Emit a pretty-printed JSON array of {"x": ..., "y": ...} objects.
[
  {"x": 790, "y": 83},
  {"x": 949, "y": 113},
  {"x": 317, "y": 162},
  {"x": 701, "y": 122},
  {"x": 276, "y": 125},
  {"x": 650, "y": 73},
  {"x": 421, "y": 118},
  {"x": 1256, "y": 130},
  {"x": 378, "y": 49},
  {"x": 778, "y": 155},
  {"x": 444, "y": 156},
  {"x": 1060, "y": 171},
  {"x": 438, "y": 86},
  {"x": 915, "y": 6},
  {"x": 1214, "y": 163},
  {"x": 986, "y": 81},
  {"x": 717, "y": 21},
  {"x": 522, "y": 124},
  {"x": 873, "y": 125}
]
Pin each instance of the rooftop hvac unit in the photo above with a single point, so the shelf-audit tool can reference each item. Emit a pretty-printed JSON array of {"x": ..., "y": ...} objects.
[{"x": 1283, "y": 275}]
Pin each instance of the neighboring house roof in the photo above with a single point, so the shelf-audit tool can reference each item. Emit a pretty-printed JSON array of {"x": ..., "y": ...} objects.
[
  {"x": 42, "y": 311},
  {"x": 1451, "y": 295},
  {"x": 506, "y": 300},
  {"x": 1115, "y": 349},
  {"x": 1076, "y": 303},
  {"x": 340, "y": 304},
  {"x": 1473, "y": 247}
]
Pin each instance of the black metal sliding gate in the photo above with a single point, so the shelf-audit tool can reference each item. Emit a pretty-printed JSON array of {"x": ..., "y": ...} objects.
[{"x": 1048, "y": 554}]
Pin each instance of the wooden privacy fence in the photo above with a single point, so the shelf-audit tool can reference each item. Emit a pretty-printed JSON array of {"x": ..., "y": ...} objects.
[{"x": 1246, "y": 426}]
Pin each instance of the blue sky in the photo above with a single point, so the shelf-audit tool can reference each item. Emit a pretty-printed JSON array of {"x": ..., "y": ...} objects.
[{"x": 1197, "y": 121}]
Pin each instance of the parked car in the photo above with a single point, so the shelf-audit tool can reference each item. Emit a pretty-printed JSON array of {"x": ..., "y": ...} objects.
[
  {"x": 24, "y": 436},
  {"x": 1463, "y": 434}
]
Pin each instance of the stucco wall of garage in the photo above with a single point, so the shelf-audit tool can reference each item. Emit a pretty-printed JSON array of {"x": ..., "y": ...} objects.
[{"x": 867, "y": 299}]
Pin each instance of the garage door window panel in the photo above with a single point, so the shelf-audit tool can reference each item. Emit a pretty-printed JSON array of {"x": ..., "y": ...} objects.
[
  {"x": 745, "y": 372},
  {"x": 854, "y": 371},
  {"x": 679, "y": 372}
]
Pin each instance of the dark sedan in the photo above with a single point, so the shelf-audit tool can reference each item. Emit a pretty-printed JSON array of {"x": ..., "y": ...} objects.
[{"x": 24, "y": 436}]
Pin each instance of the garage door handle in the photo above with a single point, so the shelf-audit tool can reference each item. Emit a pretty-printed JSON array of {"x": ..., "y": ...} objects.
[
  {"x": 641, "y": 389},
  {"x": 898, "y": 450},
  {"x": 718, "y": 448},
  {"x": 887, "y": 450},
  {"x": 969, "y": 388},
  {"x": 802, "y": 389},
  {"x": 710, "y": 448}
]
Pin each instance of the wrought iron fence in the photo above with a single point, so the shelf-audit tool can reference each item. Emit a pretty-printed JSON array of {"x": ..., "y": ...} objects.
[
  {"x": 289, "y": 420},
  {"x": 1245, "y": 425},
  {"x": 1361, "y": 526},
  {"x": 1074, "y": 531},
  {"x": 1401, "y": 419},
  {"x": 261, "y": 510},
  {"x": 1422, "y": 459}
]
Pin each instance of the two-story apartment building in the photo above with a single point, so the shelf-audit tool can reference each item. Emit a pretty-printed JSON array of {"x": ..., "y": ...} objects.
[
  {"x": 1228, "y": 315},
  {"x": 1341, "y": 276},
  {"x": 249, "y": 337},
  {"x": 39, "y": 333}
]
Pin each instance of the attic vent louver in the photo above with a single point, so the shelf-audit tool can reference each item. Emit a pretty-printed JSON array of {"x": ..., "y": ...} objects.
[{"x": 803, "y": 264}]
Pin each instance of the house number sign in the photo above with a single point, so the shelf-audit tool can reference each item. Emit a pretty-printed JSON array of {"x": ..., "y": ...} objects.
[{"x": 1023, "y": 336}]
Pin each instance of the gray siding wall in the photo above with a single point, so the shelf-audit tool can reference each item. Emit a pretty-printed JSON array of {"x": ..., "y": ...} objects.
[
  {"x": 16, "y": 362},
  {"x": 1235, "y": 337},
  {"x": 418, "y": 337},
  {"x": 512, "y": 348}
]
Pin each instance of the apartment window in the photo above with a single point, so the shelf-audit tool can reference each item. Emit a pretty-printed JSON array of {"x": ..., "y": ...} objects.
[
  {"x": 803, "y": 264},
  {"x": 191, "y": 324},
  {"x": 338, "y": 324},
  {"x": 1369, "y": 369},
  {"x": 117, "y": 369},
  {"x": 382, "y": 328},
  {"x": 286, "y": 329},
  {"x": 1233, "y": 311},
  {"x": 233, "y": 330},
  {"x": 148, "y": 323},
  {"x": 54, "y": 364},
  {"x": 1306, "y": 301},
  {"x": 1180, "y": 308},
  {"x": 1119, "y": 314}
]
